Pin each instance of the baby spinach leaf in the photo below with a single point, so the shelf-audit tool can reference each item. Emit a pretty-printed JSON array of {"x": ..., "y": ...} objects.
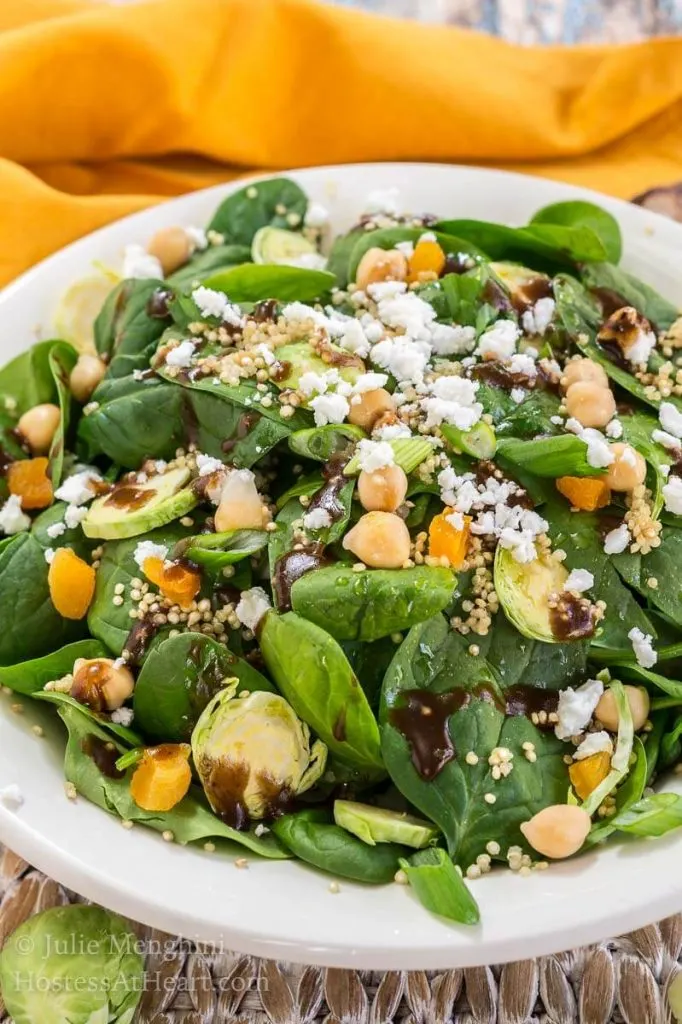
[
  {"x": 320, "y": 443},
  {"x": 189, "y": 821},
  {"x": 439, "y": 886},
  {"x": 73, "y": 538},
  {"x": 30, "y": 676},
  {"x": 386, "y": 238},
  {"x": 577, "y": 310},
  {"x": 27, "y": 379},
  {"x": 312, "y": 837},
  {"x": 655, "y": 815},
  {"x": 531, "y": 417},
  {"x": 248, "y": 398},
  {"x": 216, "y": 550},
  {"x": 563, "y": 455},
  {"x": 578, "y": 213},
  {"x": 143, "y": 421},
  {"x": 125, "y": 333},
  {"x": 369, "y": 662},
  {"x": 31, "y": 626},
  {"x": 274, "y": 201},
  {"x": 463, "y": 294},
  {"x": 664, "y": 564},
  {"x": 338, "y": 260},
  {"x": 126, "y": 736},
  {"x": 207, "y": 262},
  {"x": 312, "y": 672},
  {"x": 62, "y": 359},
  {"x": 372, "y": 604},
  {"x": 252, "y": 282},
  {"x": 557, "y": 243},
  {"x": 180, "y": 675},
  {"x": 617, "y": 283}
]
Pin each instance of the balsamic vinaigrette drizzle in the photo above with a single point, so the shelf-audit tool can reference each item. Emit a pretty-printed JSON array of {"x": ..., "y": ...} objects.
[
  {"x": 226, "y": 782},
  {"x": 103, "y": 754}
]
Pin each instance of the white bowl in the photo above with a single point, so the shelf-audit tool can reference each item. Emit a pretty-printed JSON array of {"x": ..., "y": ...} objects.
[{"x": 283, "y": 909}]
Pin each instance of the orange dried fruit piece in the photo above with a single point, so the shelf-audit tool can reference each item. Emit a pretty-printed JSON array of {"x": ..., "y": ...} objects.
[
  {"x": 426, "y": 262},
  {"x": 176, "y": 581},
  {"x": 584, "y": 492},
  {"x": 29, "y": 480},
  {"x": 162, "y": 777},
  {"x": 446, "y": 540},
  {"x": 72, "y": 584},
  {"x": 587, "y": 774}
]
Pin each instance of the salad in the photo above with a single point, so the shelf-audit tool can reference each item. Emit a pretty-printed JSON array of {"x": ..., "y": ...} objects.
[{"x": 364, "y": 550}]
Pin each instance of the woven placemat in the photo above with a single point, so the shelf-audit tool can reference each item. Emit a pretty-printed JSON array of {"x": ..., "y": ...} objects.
[{"x": 622, "y": 981}]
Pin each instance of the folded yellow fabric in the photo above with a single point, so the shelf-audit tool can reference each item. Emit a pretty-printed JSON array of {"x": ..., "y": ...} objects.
[{"x": 105, "y": 109}]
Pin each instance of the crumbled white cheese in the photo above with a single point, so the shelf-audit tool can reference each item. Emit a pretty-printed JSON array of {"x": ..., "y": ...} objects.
[
  {"x": 311, "y": 383},
  {"x": 391, "y": 432},
  {"x": 383, "y": 200},
  {"x": 628, "y": 455},
  {"x": 617, "y": 540},
  {"x": 49, "y": 554},
  {"x": 316, "y": 216},
  {"x": 398, "y": 308},
  {"x": 213, "y": 303},
  {"x": 518, "y": 395},
  {"x": 499, "y": 341},
  {"x": 671, "y": 419},
  {"x": 307, "y": 261},
  {"x": 181, "y": 355},
  {"x": 520, "y": 543},
  {"x": 266, "y": 354},
  {"x": 252, "y": 606},
  {"x": 642, "y": 645},
  {"x": 672, "y": 495},
  {"x": 369, "y": 382},
  {"x": 576, "y": 707},
  {"x": 452, "y": 400},
  {"x": 374, "y": 455},
  {"x": 537, "y": 319},
  {"x": 614, "y": 429},
  {"x": 456, "y": 520},
  {"x": 451, "y": 339},
  {"x": 641, "y": 348},
  {"x": 296, "y": 312},
  {"x": 579, "y": 580},
  {"x": 11, "y": 797},
  {"x": 207, "y": 465},
  {"x": 406, "y": 248},
  {"x": 123, "y": 716},
  {"x": 197, "y": 237},
  {"x": 594, "y": 743},
  {"x": 599, "y": 454},
  {"x": 12, "y": 519},
  {"x": 404, "y": 359},
  {"x": 77, "y": 489},
  {"x": 74, "y": 516},
  {"x": 666, "y": 439},
  {"x": 56, "y": 530},
  {"x": 138, "y": 263},
  {"x": 148, "y": 549},
  {"x": 317, "y": 519},
  {"x": 331, "y": 408},
  {"x": 522, "y": 362}
]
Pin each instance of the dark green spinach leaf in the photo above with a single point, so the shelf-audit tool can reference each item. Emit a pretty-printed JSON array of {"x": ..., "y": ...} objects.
[
  {"x": 439, "y": 886},
  {"x": 30, "y": 676},
  {"x": 274, "y": 201}
]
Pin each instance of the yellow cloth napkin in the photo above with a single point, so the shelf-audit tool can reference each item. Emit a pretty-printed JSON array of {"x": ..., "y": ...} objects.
[{"x": 106, "y": 109}]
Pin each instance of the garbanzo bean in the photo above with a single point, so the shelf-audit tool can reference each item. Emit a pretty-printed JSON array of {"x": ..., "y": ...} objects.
[
  {"x": 380, "y": 540},
  {"x": 38, "y": 427},
  {"x": 172, "y": 248},
  {"x": 590, "y": 404},
  {"x": 628, "y": 469},
  {"x": 383, "y": 490},
  {"x": 86, "y": 375},
  {"x": 371, "y": 406},
  {"x": 101, "y": 684},
  {"x": 557, "y": 831},
  {"x": 380, "y": 265},
  {"x": 583, "y": 369},
  {"x": 607, "y": 711}
]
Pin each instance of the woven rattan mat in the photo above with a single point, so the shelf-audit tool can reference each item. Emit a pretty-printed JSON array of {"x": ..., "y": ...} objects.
[{"x": 624, "y": 980}]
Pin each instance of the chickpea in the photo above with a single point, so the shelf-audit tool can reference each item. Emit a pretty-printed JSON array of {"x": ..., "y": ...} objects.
[
  {"x": 240, "y": 506},
  {"x": 86, "y": 375},
  {"x": 101, "y": 684},
  {"x": 371, "y": 406},
  {"x": 583, "y": 369},
  {"x": 557, "y": 831},
  {"x": 638, "y": 699},
  {"x": 628, "y": 469},
  {"x": 380, "y": 540},
  {"x": 380, "y": 265},
  {"x": 172, "y": 248},
  {"x": 590, "y": 404},
  {"x": 38, "y": 427},
  {"x": 383, "y": 490}
]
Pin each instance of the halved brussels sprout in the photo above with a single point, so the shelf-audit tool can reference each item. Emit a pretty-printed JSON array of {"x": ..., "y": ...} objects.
[
  {"x": 253, "y": 754},
  {"x": 524, "y": 590}
]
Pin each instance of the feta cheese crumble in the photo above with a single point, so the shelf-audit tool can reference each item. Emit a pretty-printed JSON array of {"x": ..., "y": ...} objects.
[
  {"x": 537, "y": 319},
  {"x": 148, "y": 549},
  {"x": 452, "y": 340},
  {"x": 452, "y": 400},
  {"x": 317, "y": 519},
  {"x": 77, "y": 489},
  {"x": 56, "y": 530},
  {"x": 374, "y": 455},
  {"x": 49, "y": 554},
  {"x": 369, "y": 382},
  {"x": 616, "y": 541},
  {"x": 579, "y": 580},
  {"x": 12, "y": 519},
  {"x": 614, "y": 429},
  {"x": 197, "y": 237},
  {"x": 642, "y": 645},
  {"x": 253, "y": 605},
  {"x": 594, "y": 743},
  {"x": 672, "y": 495},
  {"x": 140, "y": 264},
  {"x": 207, "y": 465},
  {"x": 576, "y": 707},
  {"x": 213, "y": 303},
  {"x": 74, "y": 516},
  {"x": 181, "y": 355},
  {"x": 498, "y": 341},
  {"x": 330, "y": 408},
  {"x": 640, "y": 349},
  {"x": 123, "y": 716},
  {"x": 671, "y": 419}
]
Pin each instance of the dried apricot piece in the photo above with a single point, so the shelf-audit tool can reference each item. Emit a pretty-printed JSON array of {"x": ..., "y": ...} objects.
[
  {"x": 445, "y": 539},
  {"x": 176, "y": 581},
  {"x": 72, "y": 584},
  {"x": 586, "y": 775},
  {"x": 426, "y": 262},
  {"x": 162, "y": 777},
  {"x": 29, "y": 480},
  {"x": 584, "y": 492}
]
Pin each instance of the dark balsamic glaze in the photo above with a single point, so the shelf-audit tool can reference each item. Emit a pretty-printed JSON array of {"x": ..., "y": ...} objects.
[
  {"x": 225, "y": 783},
  {"x": 130, "y": 497},
  {"x": 265, "y": 310},
  {"x": 423, "y": 719},
  {"x": 139, "y": 639},
  {"x": 246, "y": 423},
  {"x": 103, "y": 754},
  {"x": 291, "y": 566},
  {"x": 609, "y": 300},
  {"x": 157, "y": 304},
  {"x": 327, "y": 497},
  {"x": 6, "y": 461},
  {"x": 527, "y": 294},
  {"x": 573, "y": 618},
  {"x": 88, "y": 685},
  {"x": 527, "y": 701}
]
